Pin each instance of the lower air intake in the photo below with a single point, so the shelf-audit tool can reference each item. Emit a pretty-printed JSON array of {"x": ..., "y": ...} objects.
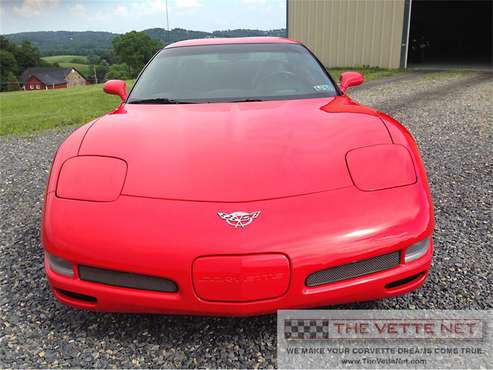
[
  {"x": 353, "y": 270},
  {"x": 126, "y": 279}
]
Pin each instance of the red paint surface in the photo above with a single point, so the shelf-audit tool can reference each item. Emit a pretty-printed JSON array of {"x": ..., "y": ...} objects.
[
  {"x": 349, "y": 79},
  {"x": 233, "y": 151},
  {"x": 98, "y": 179},
  {"x": 286, "y": 159},
  {"x": 232, "y": 40},
  {"x": 241, "y": 278},
  {"x": 379, "y": 167},
  {"x": 116, "y": 87}
]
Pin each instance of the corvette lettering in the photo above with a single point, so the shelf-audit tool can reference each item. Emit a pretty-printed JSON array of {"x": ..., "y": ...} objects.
[{"x": 237, "y": 279}]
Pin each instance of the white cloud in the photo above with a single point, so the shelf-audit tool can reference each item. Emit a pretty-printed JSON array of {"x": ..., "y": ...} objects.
[
  {"x": 148, "y": 7},
  {"x": 188, "y": 3},
  {"x": 78, "y": 9},
  {"x": 99, "y": 17},
  {"x": 254, "y": 2},
  {"x": 121, "y": 10},
  {"x": 155, "y": 4},
  {"x": 29, "y": 8}
]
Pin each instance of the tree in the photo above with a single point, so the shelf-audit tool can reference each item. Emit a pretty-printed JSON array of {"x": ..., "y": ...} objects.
[
  {"x": 100, "y": 69},
  {"x": 109, "y": 56},
  {"x": 12, "y": 83},
  {"x": 135, "y": 49},
  {"x": 14, "y": 59},
  {"x": 118, "y": 72},
  {"x": 8, "y": 65},
  {"x": 26, "y": 55},
  {"x": 4, "y": 43},
  {"x": 7, "y": 62},
  {"x": 93, "y": 59}
]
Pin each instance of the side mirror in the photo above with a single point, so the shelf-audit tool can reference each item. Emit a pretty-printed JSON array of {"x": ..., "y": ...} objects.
[
  {"x": 116, "y": 87},
  {"x": 349, "y": 79}
]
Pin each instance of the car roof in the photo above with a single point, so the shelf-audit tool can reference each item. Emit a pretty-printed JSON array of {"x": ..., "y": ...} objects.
[{"x": 232, "y": 40}]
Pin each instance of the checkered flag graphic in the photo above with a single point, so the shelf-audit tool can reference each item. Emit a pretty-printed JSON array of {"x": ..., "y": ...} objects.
[{"x": 306, "y": 328}]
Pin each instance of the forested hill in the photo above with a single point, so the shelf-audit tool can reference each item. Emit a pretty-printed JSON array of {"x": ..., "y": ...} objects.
[
  {"x": 89, "y": 42},
  {"x": 66, "y": 42},
  {"x": 179, "y": 34}
]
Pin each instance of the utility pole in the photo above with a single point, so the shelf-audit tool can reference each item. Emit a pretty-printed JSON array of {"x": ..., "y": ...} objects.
[
  {"x": 166, "y": 35},
  {"x": 95, "y": 75}
]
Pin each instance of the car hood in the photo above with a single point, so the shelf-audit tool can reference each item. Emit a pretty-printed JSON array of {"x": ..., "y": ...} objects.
[{"x": 235, "y": 152}]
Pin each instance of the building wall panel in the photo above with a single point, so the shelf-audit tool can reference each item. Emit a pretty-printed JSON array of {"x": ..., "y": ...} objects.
[
  {"x": 349, "y": 32},
  {"x": 74, "y": 79}
]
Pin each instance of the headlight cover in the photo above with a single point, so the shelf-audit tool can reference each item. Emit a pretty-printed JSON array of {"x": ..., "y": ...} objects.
[
  {"x": 91, "y": 178},
  {"x": 380, "y": 167},
  {"x": 417, "y": 250},
  {"x": 60, "y": 266}
]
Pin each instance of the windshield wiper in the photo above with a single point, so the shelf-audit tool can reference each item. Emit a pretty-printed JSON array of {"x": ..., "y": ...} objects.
[
  {"x": 160, "y": 101},
  {"x": 246, "y": 100},
  {"x": 177, "y": 101}
]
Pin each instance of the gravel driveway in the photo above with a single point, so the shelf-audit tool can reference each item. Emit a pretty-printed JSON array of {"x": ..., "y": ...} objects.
[{"x": 450, "y": 115}]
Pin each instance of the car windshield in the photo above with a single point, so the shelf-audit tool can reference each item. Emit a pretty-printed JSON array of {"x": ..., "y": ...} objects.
[{"x": 232, "y": 72}]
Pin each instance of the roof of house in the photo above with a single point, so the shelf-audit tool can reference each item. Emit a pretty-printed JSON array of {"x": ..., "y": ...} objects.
[
  {"x": 232, "y": 40},
  {"x": 47, "y": 75}
]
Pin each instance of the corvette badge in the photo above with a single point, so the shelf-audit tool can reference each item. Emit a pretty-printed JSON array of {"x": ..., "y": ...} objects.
[{"x": 239, "y": 218}]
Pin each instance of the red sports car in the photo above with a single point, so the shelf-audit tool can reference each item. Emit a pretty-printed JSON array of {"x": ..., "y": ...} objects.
[{"x": 236, "y": 178}]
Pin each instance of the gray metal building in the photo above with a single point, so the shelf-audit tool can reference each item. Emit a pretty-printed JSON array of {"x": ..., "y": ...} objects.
[{"x": 393, "y": 33}]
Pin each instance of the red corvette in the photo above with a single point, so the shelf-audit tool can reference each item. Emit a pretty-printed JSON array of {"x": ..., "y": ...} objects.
[{"x": 236, "y": 178}]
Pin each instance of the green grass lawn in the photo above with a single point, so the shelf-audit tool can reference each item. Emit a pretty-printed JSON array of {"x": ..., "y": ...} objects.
[
  {"x": 24, "y": 112},
  {"x": 78, "y": 62},
  {"x": 64, "y": 58}
]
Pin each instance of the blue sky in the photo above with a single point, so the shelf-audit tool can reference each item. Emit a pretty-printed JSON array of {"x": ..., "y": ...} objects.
[{"x": 126, "y": 15}]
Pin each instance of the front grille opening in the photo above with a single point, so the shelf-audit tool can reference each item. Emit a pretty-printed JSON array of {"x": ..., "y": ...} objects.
[
  {"x": 404, "y": 281},
  {"x": 353, "y": 270},
  {"x": 126, "y": 279},
  {"x": 77, "y": 296}
]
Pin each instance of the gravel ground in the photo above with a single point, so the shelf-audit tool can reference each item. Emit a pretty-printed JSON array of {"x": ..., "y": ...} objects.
[{"x": 450, "y": 115}]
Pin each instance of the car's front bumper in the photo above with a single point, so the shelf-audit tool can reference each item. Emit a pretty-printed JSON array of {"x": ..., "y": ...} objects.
[
  {"x": 164, "y": 237},
  {"x": 117, "y": 299}
]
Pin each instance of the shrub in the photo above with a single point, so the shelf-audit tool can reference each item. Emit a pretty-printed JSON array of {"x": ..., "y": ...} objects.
[
  {"x": 118, "y": 72},
  {"x": 78, "y": 60}
]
